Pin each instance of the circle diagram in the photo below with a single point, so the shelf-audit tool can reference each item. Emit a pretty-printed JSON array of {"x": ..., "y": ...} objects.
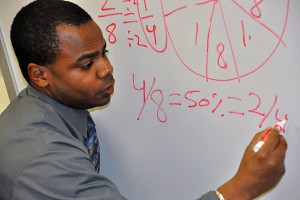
[{"x": 215, "y": 39}]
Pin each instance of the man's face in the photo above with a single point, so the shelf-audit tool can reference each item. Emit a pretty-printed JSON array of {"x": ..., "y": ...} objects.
[{"x": 81, "y": 77}]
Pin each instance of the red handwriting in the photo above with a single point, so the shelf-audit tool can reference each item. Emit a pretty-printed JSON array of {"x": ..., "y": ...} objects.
[
  {"x": 244, "y": 34},
  {"x": 110, "y": 29},
  {"x": 193, "y": 99},
  {"x": 104, "y": 8},
  {"x": 160, "y": 114},
  {"x": 220, "y": 49},
  {"x": 148, "y": 27},
  {"x": 255, "y": 10}
]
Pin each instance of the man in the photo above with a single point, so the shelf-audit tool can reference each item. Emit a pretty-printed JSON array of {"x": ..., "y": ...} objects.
[{"x": 62, "y": 55}]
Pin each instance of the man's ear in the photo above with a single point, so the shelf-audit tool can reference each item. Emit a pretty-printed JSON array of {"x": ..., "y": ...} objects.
[{"x": 38, "y": 75}]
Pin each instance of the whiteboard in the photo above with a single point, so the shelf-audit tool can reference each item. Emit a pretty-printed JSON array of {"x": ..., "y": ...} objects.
[{"x": 195, "y": 80}]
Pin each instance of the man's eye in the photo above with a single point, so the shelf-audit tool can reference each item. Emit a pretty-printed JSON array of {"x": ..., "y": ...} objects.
[{"x": 88, "y": 65}]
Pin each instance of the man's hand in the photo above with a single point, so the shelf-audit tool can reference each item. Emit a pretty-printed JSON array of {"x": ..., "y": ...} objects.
[{"x": 258, "y": 172}]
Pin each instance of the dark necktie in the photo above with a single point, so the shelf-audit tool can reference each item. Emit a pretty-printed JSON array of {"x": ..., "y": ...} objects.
[{"x": 92, "y": 143}]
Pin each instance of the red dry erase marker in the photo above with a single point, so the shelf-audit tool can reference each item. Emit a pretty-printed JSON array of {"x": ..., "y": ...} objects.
[{"x": 279, "y": 127}]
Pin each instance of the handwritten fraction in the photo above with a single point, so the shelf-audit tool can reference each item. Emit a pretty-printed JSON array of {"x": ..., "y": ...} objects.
[
  {"x": 194, "y": 99},
  {"x": 219, "y": 34}
]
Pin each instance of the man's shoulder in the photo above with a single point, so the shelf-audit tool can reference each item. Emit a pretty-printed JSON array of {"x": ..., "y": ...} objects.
[
  {"x": 23, "y": 110},
  {"x": 29, "y": 127}
]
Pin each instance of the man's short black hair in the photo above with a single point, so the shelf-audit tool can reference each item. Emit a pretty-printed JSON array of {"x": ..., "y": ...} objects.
[{"x": 33, "y": 32}]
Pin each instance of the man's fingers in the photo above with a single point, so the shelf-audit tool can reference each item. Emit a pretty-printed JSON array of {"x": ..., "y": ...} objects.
[
  {"x": 259, "y": 136},
  {"x": 278, "y": 153},
  {"x": 272, "y": 141}
]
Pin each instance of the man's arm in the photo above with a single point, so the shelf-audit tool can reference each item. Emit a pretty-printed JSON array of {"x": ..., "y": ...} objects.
[{"x": 64, "y": 172}]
